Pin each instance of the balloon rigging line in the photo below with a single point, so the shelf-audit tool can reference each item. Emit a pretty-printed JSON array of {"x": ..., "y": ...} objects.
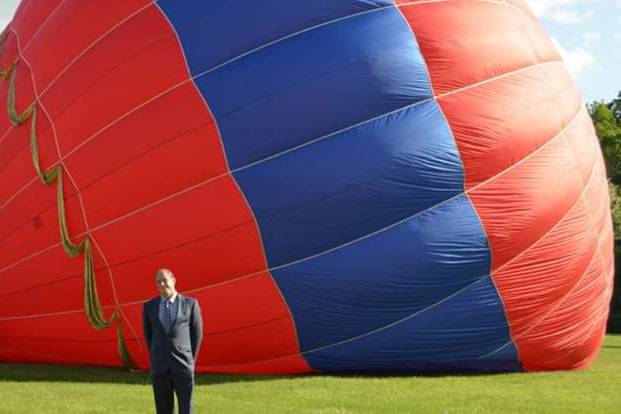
[
  {"x": 90, "y": 285},
  {"x": 43, "y": 25},
  {"x": 92, "y": 305}
]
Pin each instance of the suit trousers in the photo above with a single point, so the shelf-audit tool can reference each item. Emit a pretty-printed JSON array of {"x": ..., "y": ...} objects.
[{"x": 163, "y": 388}]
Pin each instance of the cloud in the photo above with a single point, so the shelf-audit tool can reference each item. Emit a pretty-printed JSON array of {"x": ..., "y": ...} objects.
[
  {"x": 577, "y": 60},
  {"x": 563, "y": 11},
  {"x": 569, "y": 16},
  {"x": 590, "y": 37},
  {"x": 617, "y": 36}
]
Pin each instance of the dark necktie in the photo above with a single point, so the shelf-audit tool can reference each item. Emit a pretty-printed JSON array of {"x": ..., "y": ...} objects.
[{"x": 167, "y": 316}]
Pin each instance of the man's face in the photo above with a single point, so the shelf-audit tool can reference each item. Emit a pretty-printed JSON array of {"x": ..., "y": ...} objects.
[{"x": 165, "y": 283}]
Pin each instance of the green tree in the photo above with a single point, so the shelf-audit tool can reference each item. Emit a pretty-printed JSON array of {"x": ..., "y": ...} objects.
[
  {"x": 615, "y": 207},
  {"x": 607, "y": 121},
  {"x": 608, "y": 128},
  {"x": 615, "y": 105}
]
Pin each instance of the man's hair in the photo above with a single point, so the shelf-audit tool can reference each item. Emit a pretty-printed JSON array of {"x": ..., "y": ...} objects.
[{"x": 164, "y": 272}]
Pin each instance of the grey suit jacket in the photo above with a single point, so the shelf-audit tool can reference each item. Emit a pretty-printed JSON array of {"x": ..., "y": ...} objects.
[{"x": 176, "y": 351}]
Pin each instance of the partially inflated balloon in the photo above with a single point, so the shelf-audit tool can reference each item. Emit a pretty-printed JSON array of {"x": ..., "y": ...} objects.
[{"x": 351, "y": 185}]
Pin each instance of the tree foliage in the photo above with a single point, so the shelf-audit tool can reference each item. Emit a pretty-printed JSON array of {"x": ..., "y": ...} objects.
[
  {"x": 615, "y": 106},
  {"x": 607, "y": 120},
  {"x": 615, "y": 207}
]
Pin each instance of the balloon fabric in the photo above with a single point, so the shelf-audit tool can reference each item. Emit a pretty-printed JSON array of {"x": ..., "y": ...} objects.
[{"x": 345, "y": 186}]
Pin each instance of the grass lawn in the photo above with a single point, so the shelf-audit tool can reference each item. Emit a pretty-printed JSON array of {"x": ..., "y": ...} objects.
[{"x": 55, "y": 389}]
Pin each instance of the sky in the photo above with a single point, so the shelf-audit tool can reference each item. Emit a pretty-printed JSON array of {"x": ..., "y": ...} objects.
[
  {"x": 586, "y": 32},
  {"x": 588, "y": 35}
]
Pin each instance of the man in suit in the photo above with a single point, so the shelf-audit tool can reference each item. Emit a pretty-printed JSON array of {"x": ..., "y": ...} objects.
[{"x": 173, "y": 330}]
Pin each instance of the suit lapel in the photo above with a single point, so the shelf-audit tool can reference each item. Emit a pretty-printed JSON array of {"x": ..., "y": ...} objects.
[
  {"x": 155, "y": 309},
  {"x": 179, "y": 302}
]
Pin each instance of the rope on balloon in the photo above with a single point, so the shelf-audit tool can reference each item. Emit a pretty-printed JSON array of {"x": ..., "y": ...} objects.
[{"x": 92, "y": 305}]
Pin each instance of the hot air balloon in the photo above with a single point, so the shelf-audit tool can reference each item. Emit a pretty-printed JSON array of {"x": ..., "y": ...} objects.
[{"x": 352, "y": 185}]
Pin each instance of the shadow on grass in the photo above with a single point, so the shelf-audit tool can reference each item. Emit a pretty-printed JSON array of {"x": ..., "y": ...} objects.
[{"x": 88, "y": 374}]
